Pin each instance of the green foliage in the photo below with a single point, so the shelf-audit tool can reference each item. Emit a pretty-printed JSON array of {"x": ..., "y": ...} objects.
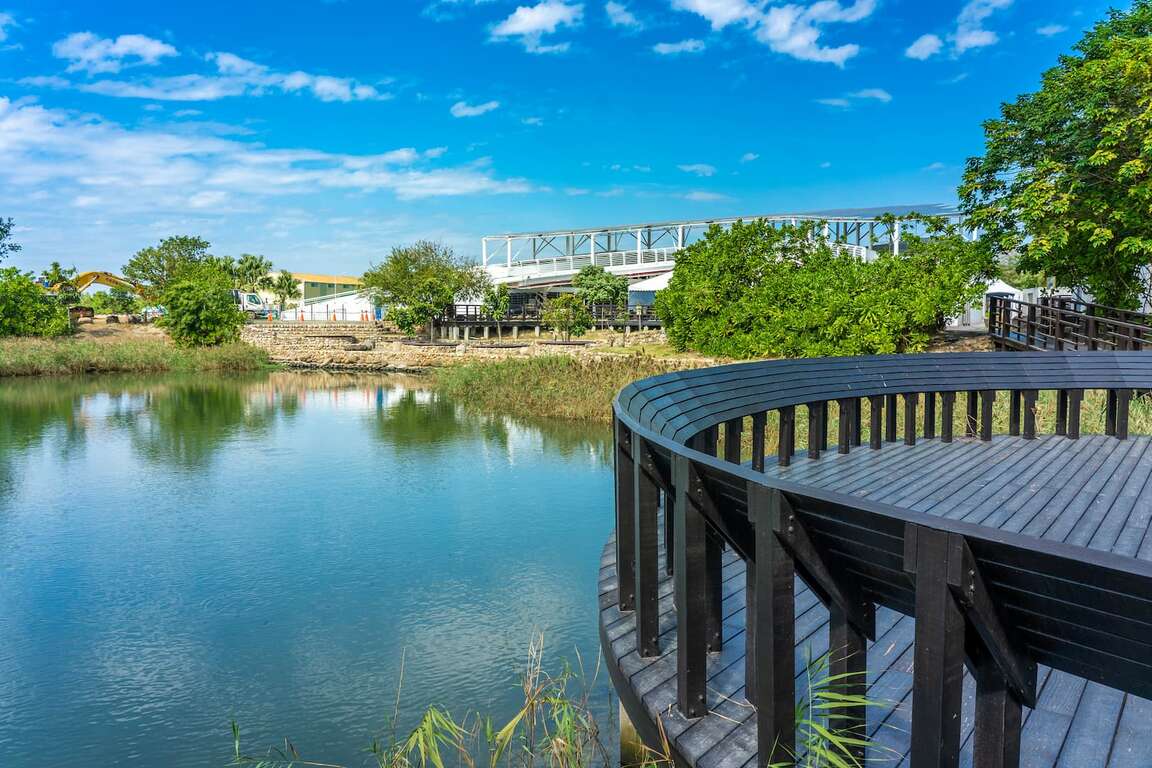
[
  {"x": 285, "y": 287},
  {"x": 201, "y": 310},
  {"x": 497, "y": 301},
  {"x": 1066, "y": 177},
  {"x": 251, "y": 273},
  {"x": 155, "y": 268},
  {"x": 7, "y": 247},
  {"x": 61, "y": 281},
  {"x": 596, "y": 285},
  {"x": 71, "y": 357},
  {"x": 567, "y": 314},
  {"x": 755, "y": 290},
  {"x": 27, "y": 310},
  {"x": 419, "y": 281},
  {"x": 113, "y": 302}
]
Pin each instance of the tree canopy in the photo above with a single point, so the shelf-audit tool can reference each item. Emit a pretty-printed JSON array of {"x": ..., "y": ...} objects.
[
  {"x": 756, "y": 290},
  {"x": 200, "y": 308},
  {"x": 568, "y": 314},
  {"x": 285, "y": 287},
  {"x": 417, "y": 282},
  {"x": 252, "y": 273},
  {"x": 7, "y": 246},
  {"x": 596, "y": 285},
  {"x": 25, "y": 308},
  {"x": 1066, "y": 178},
  {"x": 154, "y": 268}
]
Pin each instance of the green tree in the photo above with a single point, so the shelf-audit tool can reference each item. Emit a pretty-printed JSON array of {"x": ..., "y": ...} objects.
[
  {"x": 7, "y": 247},
  {"x": 496, "y": 304},
  {"x": 252, "y": 273},
  {"x": 1066, "y": 177},
  {"x": 596, "y": 285},
  {"x": 155, "y": 268},
  {"x": 417, "y": 282},
  {"x": 285, "y": 287},
  {"x": 755, "y": 290},
  {"x": 568, "y": 314},
  {"x": 25, "y": 308},
  {"x": 200, "y": 308},
  {"x": 113, "y": 302},
  {"x": 61, "y": 281}
]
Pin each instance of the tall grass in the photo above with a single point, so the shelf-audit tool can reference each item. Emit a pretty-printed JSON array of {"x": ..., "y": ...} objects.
[
  {"x": 48, "y": 357},
  {"x": 554, "y": 386}
]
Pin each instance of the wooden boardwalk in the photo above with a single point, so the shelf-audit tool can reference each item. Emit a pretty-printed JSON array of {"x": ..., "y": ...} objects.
[{"x": 1094, "y": 492}]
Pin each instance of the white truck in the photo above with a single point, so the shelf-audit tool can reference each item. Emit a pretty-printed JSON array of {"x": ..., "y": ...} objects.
[{"x": 251, "y": 305}]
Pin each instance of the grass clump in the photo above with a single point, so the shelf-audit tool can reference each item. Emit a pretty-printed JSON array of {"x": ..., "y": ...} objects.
[
  {"x": 58, "y": 357},
  {"x": 550, "y": 386}
]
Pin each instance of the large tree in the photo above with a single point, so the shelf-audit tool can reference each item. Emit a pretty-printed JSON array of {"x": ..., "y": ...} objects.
[
  {"x": 417, "y": 282},
  {"x": 285, "y": 287},
  {"x": 596, "y": 285},
  {"x": 1066, "y": 179},
  {"x": 154, "y": 268},
  {"x": 252, "y": 273},
  {"x": 62, "y": 281},
  {"x": 7, "y": 247}
]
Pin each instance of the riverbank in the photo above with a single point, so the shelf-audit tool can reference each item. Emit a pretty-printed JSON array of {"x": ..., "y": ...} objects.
[{"x": 62, "y": 357}]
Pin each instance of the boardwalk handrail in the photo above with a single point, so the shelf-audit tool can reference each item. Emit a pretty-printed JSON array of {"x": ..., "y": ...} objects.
[
  {"x": 1063, "y": 323},
  {"x": 1001, "y": 602}
]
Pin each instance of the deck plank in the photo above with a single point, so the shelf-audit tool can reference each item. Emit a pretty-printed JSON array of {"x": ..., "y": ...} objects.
[{"x": 1093, "y": 492}]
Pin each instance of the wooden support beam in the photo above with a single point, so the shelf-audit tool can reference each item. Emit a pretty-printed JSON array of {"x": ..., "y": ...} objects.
[
  {"x": 844, "y": 425},
  {"x": 996, "y": 738},
  {"x": 625, "y": 518},
  {"x": 1075, "y": 396},
  {"x": 987, "y": 400},
  {"x": 647, "y": 558},
  {"x": 1030, "y": 414},
  {"x": 890, "y": 418},
  {"x": 1014, "y": 412},
  {"x": 971, "y": 421},
  {"x": 857, "y": 421},
  {"x": 938, "y": 665},
  {"x": 733, "y": 433},
  {"x": 875, "y": 416},
  {"x": 787, "y": 436},
  {"x": 1062, "y": 412},
  {"x": 699, "y": 500},
  {"x": 911, "y": 400},
  {"x": 947, "y": 404},
  {"x": 759, "y": 422},
  {"x": 816, "y": 428},
  {"x": 929, "y": 415},
  {"x": 774, "y": 648},
  {"x": 692, "y": 595},
  {"x": 848, "y": 667},
  {"x": 1123, "y": 402}
]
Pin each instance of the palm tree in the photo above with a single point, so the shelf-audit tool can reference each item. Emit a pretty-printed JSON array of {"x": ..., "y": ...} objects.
[
  {"x": 252, "y": 272},
  {"x": 285, "y": 287}
]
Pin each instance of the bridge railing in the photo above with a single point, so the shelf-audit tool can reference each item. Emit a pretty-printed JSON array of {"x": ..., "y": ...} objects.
[
  {"x": 1001, "y": 602},
  {"x": 1061, "y": 324}
]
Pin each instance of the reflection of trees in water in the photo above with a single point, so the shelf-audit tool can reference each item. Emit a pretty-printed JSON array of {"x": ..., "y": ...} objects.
[
  {"x": 419, "y": 418},
  {"x": 183, "y": 421}
]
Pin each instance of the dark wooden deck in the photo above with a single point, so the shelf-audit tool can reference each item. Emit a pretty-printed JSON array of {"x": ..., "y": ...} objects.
[{"x": 1093, "y": 492}]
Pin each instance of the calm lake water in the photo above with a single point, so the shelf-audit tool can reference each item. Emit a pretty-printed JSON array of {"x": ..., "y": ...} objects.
[{"x": 177, "y": 553}]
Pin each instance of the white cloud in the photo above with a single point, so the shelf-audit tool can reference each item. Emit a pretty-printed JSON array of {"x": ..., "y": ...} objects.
[
  {"x": 234, "y": 76},
  {"x": 620, "y": 16},
  {"x": 749, "y": 157},
  {"x": 464, "y": 109},
  {"x": 879, "y": 94},
  {"x": 705, "y": 197},
  {"x": 533, "y": 121},
  {"x": 1048, "y": 30},
  {"x": 790, "y": 29},
  {"x": 970, "y": 32},
  {"x": 7, "y": 21},
  {"x": 864, "y": 94},
  {"x": 88, "y": 52},
  {"x": 825, "y": 164},
  {"x": 531, "y": 23},
  {"x": 935, "y": 167},
  {"x": 925, "y": 47},
  {"x": 684, "y": 46},
  {"x": 101, "y": 163},
  {"x": 698, "y": 169}
]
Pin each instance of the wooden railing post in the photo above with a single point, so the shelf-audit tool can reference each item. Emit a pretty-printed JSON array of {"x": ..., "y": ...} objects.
[
  {"x": 1030, "y": 332},
  {"x": 910, "y": 402},
  {"x": 625, "y": 518},
  {"x": 987, "y": 399},
  {"x": 890, "y": 418},
  {"x": 772, "y": 613},
  {"x": 647, "y": 557},
  {"x": 875, "y": 417},
  {"x": 787, "y": 436},
  {"x": 844, "y": 425},
  {"x": 947, "y": 406},
  {"x": 759, "y": 422},
  {"x": 694, "y": 596},
  {"x": 929, "y": 415},
  {"x": 938, "y": 664}
]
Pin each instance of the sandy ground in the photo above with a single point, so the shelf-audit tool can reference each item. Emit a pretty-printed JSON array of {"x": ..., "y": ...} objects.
[{"x": 101, "y": 330}]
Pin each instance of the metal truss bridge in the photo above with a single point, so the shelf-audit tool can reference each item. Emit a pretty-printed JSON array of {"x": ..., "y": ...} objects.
[{"x": 540, "y": 260}]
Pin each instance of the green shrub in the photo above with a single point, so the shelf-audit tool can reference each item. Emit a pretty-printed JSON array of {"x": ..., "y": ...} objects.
[
  {"x": 755, "y": 290},
  {"x": 567, "y": 314},
  {"x": 200, "y": 309},
  {"x": 26, "y": 310}
]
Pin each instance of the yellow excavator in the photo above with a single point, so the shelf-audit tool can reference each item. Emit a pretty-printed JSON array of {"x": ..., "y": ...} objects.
[{"x": 86, "y": 280}]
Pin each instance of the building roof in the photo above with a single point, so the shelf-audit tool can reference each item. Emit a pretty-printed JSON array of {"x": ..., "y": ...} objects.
[
  {"x": 655, "y": 283},
  {"x": 339, "y": 279}
]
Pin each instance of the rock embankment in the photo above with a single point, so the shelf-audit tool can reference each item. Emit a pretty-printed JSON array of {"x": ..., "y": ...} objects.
[{"x": 379, "y": 347}]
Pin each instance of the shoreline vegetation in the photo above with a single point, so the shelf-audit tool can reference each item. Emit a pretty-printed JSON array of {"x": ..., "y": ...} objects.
[{"x": 71, "y": 356}]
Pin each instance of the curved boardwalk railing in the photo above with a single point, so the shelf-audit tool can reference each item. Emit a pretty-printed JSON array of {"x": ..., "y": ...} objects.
[{"x": 1000, "y": 602}]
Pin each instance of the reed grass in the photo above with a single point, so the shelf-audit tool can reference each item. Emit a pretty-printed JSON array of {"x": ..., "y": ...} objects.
[
  {"x": 60, "y": 357},
  {"x": 551, "y": 386}
]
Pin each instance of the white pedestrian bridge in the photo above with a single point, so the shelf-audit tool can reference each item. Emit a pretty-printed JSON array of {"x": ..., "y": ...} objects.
[{"x": 540, "y": 260}]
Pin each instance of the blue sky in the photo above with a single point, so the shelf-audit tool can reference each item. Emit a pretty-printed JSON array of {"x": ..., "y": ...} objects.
[{"x": 321, "y": 133}]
